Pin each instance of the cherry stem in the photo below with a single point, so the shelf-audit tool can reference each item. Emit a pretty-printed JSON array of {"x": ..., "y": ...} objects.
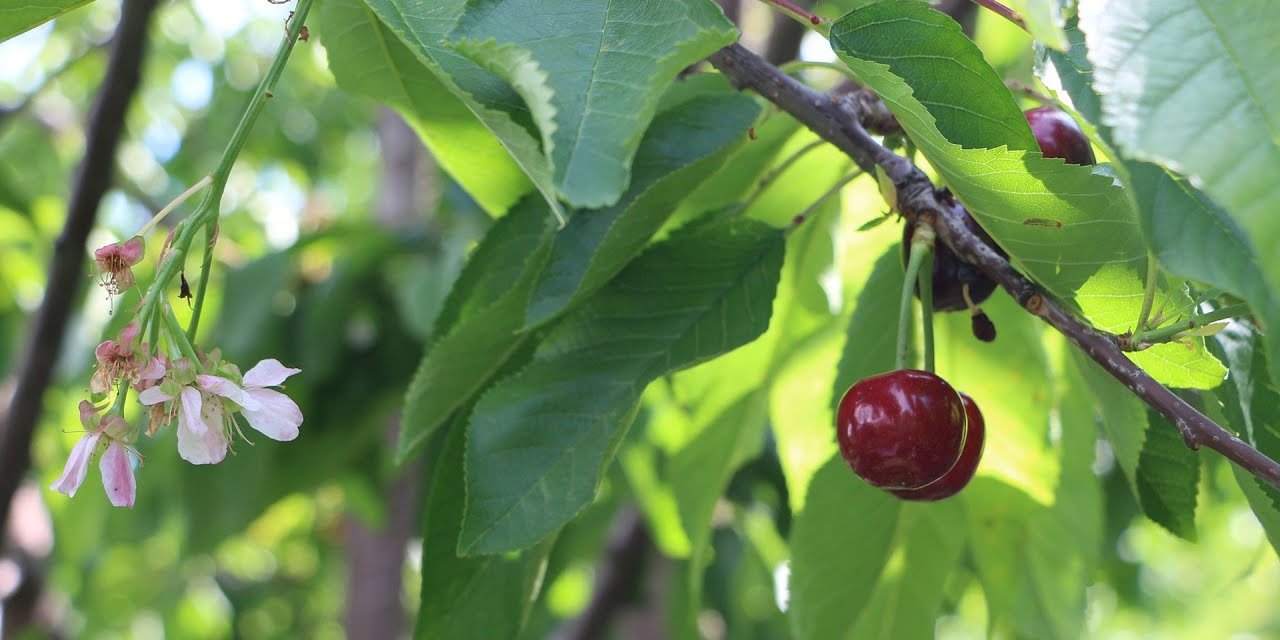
[
  {"x": 801, "y": 217},
  {"x": 921, "y": 247},
  {"x": 926, "y": 304},
  {"x": 1142, "y": 339},
  {"x": 1002, "y": 11},
  {"x": 203, "y": 284},
  {"x": 796, "y": 11}
]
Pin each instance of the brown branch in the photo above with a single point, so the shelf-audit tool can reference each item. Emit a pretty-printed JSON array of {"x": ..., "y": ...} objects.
[
  {"x": 66, "y": 267},
  {"x": 623, "y": 561},
  {"x": 920, "y": 201}
]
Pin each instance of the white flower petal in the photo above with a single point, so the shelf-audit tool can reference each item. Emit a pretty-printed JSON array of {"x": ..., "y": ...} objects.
[
  {"x": 278, "y": 418},
  {"x": 154, "y": 370},
  {"x": 227, "y": 389},
  {"x": 207, "y": 448},
  {"x": 154, "y": 395},
  {"x": 117, "y": 475},
  {"x": 77, "y": 465},
  {"x": 268, "y": 373},
  {"x": 190, "y": 414}
]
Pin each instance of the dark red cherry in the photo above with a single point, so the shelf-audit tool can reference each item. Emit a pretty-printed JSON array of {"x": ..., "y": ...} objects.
[
  {"x": 960, "y": 475},
  {"x": 1059, "y": 136},
  {"x": 902, "y": 429},
  {"x": 983, "y": 328},
  {"x": 950, "y": 273}
]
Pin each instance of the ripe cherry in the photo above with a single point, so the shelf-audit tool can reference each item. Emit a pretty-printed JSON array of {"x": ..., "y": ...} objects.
[
  {"x": 950, "y": 273},
  {"x": 901, "y": 430},
  {"x": 960, "y": 475},
  {"x": 1059, "y": 136}
]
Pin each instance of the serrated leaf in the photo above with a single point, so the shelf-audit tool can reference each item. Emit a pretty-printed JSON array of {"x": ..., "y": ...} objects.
[
  {"x": 831, "y": 580},
  {"x": 1192, "y": 236},
  {"x": 1162, "y": 472},
  {"x": 965, "y": 122},
  {"x": 681, "y": 148},
  {"x": 908, "y": 598},
  {"x": 538, "y": 441},
  {"x": 1207, "y": 103},
  {"x": 1168, "y": 477},
  {"x": 479, "y": 327},
  {"x": 591, "y": 73},
  {"x": 17, "y": 19},
  {"x": 482, "y": 597},
  {"x": 423, "y": 26},
  {"x": 1250, "y": 404},
  {"x": 367, "y": 59}
]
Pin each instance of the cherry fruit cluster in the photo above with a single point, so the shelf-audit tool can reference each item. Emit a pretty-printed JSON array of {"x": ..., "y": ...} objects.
[{"x": 908, "y": 431}]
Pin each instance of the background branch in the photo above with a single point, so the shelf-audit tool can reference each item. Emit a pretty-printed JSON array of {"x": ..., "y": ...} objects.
[
  {"x": 621, "y": 566},
  {"x": 67, "y": 266},
  {"x": 918, "y": 200}
]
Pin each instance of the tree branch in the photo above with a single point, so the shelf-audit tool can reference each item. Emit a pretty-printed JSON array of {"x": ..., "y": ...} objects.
[
  {"x": 622, "y": 563},
  {"x": 66, "y": 268},
  {"x": 919, "y": 201}
]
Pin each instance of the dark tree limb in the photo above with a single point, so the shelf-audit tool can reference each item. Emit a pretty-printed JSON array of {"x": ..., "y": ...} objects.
[
  {"x": 918, "y": 200},
  {"x": 623, "y": 562},
  {"x": 67, "y": 266}
]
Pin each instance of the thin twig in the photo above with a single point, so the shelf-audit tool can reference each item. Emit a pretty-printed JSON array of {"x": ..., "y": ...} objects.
[
  {"x": 918, "y": 198},
  {"x": 66, "y": 267},
  {"x": 1002, "y": 11}
]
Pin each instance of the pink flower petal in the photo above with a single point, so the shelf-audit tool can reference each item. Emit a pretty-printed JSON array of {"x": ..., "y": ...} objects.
[
  {"x": 190, "y": 414},
  {"x": 278, "y": 418},
  {"x": 132, "y": 250},
  {"x": 106, "y": 350},
  {"x": 227, "y": 389},
  {"x": 87, "y": 413},
  {"x": 117, "y": 475},
  {"x": 128, "y": 335},
  {"x": 209, "y": 447},
  {"x": 105, "y": 253},
  {"x": 77, "y": 465},
  {"x": 153, "y": 370},
  {"x": 154, "y": 395},
  {"x": 101, "y": 381},
  {"x": 268, "y": 373}
]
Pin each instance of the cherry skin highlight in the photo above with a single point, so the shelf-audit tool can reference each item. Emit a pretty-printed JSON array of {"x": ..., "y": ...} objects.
[
  {"x": 901, "y": 430},
  {"x": 960, "y": 475},
  {"x": 1059, "y": 136}
]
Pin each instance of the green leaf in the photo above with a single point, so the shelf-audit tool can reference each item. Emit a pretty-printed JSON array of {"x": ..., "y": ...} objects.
[
  {"x": 481, "y": 597},
  {"x": 681, "y": 148},
  {"x": 1251, "y": 406},
  {"x": 908, "y": 599},
  {"x": 965, "y": 122},
  {"x": 872, "y": 335},
  {"x": 591, "y": 73},
  {"x": 1043, "y": 19},
  {"x": 1162, "y": 472},
  {"x": 367, "y": 59},
  {"x": 1207, "y": 103},
  {"x": 1192, "y": 236},
  {"x": 538, "y": 441},
  {"x": 701, "y": 470},
  {"x": 831, "y": 579},
  {"x": 479, "y": 328},
  {"x": 423, "y": 26},
  {"x": 18, "y": 18},
  {"x": 1168, "y": 477}
]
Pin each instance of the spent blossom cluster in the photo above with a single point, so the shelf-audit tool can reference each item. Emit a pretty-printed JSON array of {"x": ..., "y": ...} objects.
[{"x": 203, "y": 397}]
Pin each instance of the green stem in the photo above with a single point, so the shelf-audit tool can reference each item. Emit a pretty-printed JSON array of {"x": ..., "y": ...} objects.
[
  {"x": 926, "y": 305},
  {"x": 1143, "y": 339},
  {"x": 204, "y": 281},
  {"x": 1149, "y": 294},
  {"x": 919, "y": 250},
  {"x": 179, "y": 339},
  {"x": 208, "y": 209},
  {"x": 768, "y": 178},
  {"x": 813, "y": 206}
]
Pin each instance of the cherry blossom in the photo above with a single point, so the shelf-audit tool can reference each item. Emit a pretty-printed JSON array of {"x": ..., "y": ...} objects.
[{"x": 116, "y": 261}]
